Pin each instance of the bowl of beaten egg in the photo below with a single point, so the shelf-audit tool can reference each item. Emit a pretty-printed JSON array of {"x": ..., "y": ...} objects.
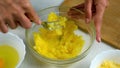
[
  {"x": 59, "y": 40},
  {"x": 12, "y": 50}
]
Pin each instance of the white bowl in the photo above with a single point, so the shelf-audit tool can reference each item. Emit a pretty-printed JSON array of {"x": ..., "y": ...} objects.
[
  {"x": 17, "y": 43},
  {"x": 112, "y": 55}
]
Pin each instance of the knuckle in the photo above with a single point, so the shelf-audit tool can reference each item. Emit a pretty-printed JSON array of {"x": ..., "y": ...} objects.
[
  {"x": 17, "y": 10},
  {"x": 15, "y": 13},
  {"x": 26, "y": 6},
  {"x": 104, "y": 3}
]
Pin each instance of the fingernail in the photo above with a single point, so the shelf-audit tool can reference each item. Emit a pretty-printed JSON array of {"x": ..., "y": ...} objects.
[
  {"x": 39, "y": 22},
  {"x": 99, "y": 39}
]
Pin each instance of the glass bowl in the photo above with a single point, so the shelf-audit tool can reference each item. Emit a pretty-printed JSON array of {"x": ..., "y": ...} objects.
[{"x": 86, "y": 30}]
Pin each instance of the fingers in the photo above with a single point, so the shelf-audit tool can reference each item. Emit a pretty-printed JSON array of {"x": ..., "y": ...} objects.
[
  {"x": 19, "y": 16},
  {"x": 31, "y": 14},
  {"x": 4, "y": 23},
  {"x": 100, "y": 8},
  {"x": 3, "y": 26},
  {"x": 88, "y": 11},
  {"x": 98, "y": 20},
  {"x": 15, "y": 14},
  {"x": 29, "y": 11},
  {"x": 10, "y": 22},
  {"x": 23, "y": 21}
]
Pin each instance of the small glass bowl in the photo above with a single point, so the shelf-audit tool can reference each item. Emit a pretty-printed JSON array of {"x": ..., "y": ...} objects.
[{"x": 88, "y": 34}]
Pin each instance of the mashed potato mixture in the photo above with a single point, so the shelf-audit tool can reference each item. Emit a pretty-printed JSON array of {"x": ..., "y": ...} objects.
[
  {"x": 109, "y": 64},
  {"x": 60, "y": 43}
]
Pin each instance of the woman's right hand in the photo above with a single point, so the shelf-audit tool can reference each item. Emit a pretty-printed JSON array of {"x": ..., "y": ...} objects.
[{"x": 16, "y": 12}]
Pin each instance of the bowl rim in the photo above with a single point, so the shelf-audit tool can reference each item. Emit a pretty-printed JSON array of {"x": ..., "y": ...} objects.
[
  {"x": 21, "y": 59},
  {"x": 67, "y": 61}
]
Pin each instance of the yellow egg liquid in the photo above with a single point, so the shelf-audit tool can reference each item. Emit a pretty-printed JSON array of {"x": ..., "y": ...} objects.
[{"x": 8, "y": 57}]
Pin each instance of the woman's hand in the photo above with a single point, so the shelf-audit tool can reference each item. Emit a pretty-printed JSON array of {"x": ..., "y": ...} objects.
[
  {"x": 94, "y": 9},
  {"x": 99, "y": 6},
  {"x": 16, "y": 12}
]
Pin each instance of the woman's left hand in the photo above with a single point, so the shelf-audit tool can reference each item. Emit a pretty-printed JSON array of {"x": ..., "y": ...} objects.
[{"x": 94, "y": 9}]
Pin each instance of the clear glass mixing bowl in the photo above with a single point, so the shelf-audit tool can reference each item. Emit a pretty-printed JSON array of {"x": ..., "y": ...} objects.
[{"x": 87, "y": 31}]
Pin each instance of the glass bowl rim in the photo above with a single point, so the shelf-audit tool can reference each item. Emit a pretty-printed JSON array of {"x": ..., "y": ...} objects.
[{"x": 54, "y": 61}]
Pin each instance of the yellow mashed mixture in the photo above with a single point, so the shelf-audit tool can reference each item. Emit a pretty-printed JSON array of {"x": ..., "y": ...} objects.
[
  {"x": 109, "y": 64},
  {"x": 61, "y": 43}
]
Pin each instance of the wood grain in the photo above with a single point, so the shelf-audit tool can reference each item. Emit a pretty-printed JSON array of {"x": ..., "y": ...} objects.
[{"x": 111, "y": 21}]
